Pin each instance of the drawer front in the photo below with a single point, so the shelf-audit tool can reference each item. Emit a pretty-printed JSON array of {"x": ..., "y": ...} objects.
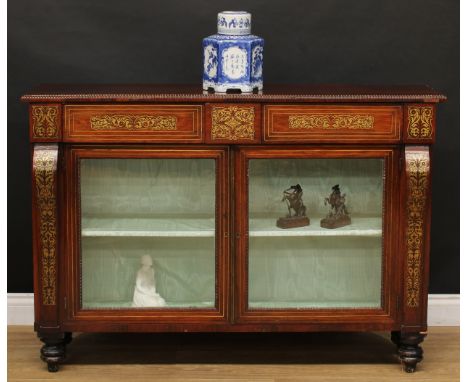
[
  {"x": 298, "y": 124},
  {"x": 133, "y": 123}
]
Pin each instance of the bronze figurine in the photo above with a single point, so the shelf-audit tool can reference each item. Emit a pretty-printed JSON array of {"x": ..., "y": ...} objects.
[
  {"x": 338, "y": 215},
  {"x": 293, "y": 198}
]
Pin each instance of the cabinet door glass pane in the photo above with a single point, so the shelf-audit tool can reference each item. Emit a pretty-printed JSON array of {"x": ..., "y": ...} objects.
[
  {"x": 147, "y": 233},
  {"x": 311, "y": 266}
]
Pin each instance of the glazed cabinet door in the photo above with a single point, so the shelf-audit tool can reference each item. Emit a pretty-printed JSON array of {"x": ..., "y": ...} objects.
[
  {"x": 316, "y": 235},
  {"x": 147, "y": 231}
]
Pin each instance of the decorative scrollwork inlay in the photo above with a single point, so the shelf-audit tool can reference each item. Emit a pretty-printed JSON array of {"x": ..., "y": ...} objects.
[
  {"x": 133, "y": 122},
  {"x": 331, "y": 121},
  {"x": 44, "y": 121},
  {"x": 417, "y": 174},
  {"x": 233, "y": 123},
  {"x": 420, "y": 121},
  {"x": 45, "y": 167}
]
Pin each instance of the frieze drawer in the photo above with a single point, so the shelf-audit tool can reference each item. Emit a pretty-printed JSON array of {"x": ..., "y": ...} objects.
[
  {"x": 298, "y": 124},
  {"x": 133, "y": 123}
]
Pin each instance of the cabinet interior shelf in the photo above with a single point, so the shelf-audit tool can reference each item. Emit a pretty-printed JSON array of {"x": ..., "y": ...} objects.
[
  {"x": 361, "y": 226},
  {"x": 148, "y": 227},
  {"x": 204, "y": 227}
]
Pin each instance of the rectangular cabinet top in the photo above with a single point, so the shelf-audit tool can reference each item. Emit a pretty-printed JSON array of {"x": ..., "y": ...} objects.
[{"x": 194, "y": 93}]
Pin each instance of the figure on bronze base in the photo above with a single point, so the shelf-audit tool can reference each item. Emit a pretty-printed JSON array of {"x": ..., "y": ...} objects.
[
  {"x": 293, "y": 198},
  {"x": 338, "y": 215}
]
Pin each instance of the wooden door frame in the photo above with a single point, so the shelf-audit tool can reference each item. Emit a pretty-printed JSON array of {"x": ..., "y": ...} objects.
[
  {"x": 75, "y": 318},
  {"x": 388, "y": 315}
]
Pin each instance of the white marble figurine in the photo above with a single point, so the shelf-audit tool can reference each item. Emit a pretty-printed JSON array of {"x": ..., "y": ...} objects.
[{"x": 145, "y": 286}]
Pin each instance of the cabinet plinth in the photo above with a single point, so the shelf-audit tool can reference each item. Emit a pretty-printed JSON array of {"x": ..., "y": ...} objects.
[{"x": 156, "y": 209}]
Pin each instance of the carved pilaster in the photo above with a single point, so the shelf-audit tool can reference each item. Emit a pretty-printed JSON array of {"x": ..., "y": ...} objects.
[
  {"x": 416, "y": 246},
  {"x": 417, "y": 182},
  {"x": 45, "y": 226}
]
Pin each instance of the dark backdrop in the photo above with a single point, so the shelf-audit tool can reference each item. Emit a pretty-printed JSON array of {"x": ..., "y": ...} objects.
[{"x": 141, "y": 41}]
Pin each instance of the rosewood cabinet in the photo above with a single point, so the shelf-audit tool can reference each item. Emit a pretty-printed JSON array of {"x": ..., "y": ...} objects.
[{"x": 192, "y": 182}]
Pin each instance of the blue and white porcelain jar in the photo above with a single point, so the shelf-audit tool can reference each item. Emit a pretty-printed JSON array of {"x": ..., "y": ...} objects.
[{"x": 233, "y": 58}]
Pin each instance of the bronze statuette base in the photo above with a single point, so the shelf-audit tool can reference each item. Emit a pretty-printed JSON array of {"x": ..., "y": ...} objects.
[
  {"x": 293, "y": 222},
  {"x": 335, "y": 222}
]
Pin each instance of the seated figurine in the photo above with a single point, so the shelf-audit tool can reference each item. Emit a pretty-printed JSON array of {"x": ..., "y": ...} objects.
[{"x": 145, "y": 286}]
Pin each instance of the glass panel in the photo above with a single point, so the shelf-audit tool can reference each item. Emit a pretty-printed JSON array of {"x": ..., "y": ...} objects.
[
  {"x": 147, "y": 233},
  {"x": 309, "y": 266}
]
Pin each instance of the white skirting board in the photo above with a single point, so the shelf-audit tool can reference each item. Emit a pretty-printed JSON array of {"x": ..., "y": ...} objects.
[
  {"x": 20, "y": 308},
  {"x": 444, "y": 309}
]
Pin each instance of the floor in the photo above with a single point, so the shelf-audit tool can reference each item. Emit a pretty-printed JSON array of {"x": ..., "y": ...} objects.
[{"x": 321, "y": 357}]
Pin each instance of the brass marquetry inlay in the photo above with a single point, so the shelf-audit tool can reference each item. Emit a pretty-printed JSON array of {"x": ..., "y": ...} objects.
[
  {"x": 233, "y": 123},
  {"x": 331, "y": 121},
  {"x": 420, "y": 121},
  {"x": 417, "y": 172},
  {"x": 44, "y": 167},
  {"x": 45, "y": 121},
  {"x": 133, "y": 122}
]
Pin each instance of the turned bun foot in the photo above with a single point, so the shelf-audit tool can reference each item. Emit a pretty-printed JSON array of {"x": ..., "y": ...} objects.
[
  {"x": 52, "y": 367},
  {"x": 53, "y": 351},
  {"x": 409, "y": 351},
  {"x": 410, "y": 357},
  {"x": 410, "y": 367}
]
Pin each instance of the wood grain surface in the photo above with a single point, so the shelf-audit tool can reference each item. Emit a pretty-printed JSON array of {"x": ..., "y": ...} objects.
[
  {"x": 325, "y": 123},
  {"x": 323, "y": 357},
  {"x": 133, "y": 123}
]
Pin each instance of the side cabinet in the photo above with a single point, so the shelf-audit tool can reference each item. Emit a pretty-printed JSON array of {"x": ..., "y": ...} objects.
[{"x": 163, "y": 209}]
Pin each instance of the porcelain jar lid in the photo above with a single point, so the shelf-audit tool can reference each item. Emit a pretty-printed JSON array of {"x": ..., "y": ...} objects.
[{"x": 234, "y": 22}]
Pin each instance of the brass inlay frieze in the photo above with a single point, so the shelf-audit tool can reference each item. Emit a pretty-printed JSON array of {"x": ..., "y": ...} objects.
[
  {"x": 45, "y": 121},
  {"x": 420, "y": 121},
  {"x": 45, "y": 167},
  {"x": 417, "y": 174},
  {"x": 331, "y": 121},
  {"x": 233, "y": 123},
  {"x": 133, "y": 122}
]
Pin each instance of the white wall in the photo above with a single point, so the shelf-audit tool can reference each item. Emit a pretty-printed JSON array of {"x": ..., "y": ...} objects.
[{"x": 443, "y": 310}]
